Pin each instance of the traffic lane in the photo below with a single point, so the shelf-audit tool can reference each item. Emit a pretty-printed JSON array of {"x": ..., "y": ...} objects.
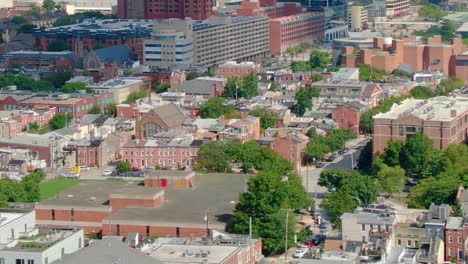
[{"x": 345, "y": 161}]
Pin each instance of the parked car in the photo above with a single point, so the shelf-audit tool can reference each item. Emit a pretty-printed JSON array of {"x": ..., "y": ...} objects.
[
  {"x": 320, "y": 165},
  {"x": 148, "y": 169},
  {"x": 107, "y": 172},
  {"x": 84, "y": 168},
  {"x": 300, "y": 253},
  {"x": 323, "y": 226},
  {"x": 135, "y": 174},
  {"x": 135, "y": 169},
  {"x": 317, "y": 239},
  {"x": 71, "y": 175},
  {"x": 343, "y": 151}
]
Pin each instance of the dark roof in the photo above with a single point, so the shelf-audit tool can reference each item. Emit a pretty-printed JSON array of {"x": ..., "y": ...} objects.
[
  {"x": 120, "y": 54},
  {"x": 16, "y": 162},
  {"x": 107, "y": 251},
  {"x": 99, "y": 121}
]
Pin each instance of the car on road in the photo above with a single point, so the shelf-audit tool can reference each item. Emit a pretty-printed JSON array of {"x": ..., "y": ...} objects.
[
  {"x": 317, "y": 239},
  {"x": 300, "y": 253},
  {"x": 148, "y": 169},
  {"x": 343, "y": 151},
  {"x": 320, "y": 165},
  {"x": 135, "y": 169},
  {"x": 107, "y": 172}
]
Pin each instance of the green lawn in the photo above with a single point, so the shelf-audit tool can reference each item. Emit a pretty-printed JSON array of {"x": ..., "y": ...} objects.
[{"x": 50, "y": 188}]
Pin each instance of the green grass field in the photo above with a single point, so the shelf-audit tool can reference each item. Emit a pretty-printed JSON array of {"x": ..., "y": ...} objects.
[{"x": 50, "y": 188}]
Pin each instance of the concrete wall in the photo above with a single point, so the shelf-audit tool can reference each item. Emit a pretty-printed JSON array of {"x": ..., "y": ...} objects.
[{"x": 24, "y": 223}]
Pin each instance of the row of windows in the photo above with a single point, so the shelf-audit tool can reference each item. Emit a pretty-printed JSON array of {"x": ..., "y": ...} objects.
[
  {"x": 450, "y": 239},
  {"x": 170, "y": 153}
]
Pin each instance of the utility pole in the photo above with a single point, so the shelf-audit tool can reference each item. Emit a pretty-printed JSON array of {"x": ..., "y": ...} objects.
[
  {"x": 286, "y": 233},
  {"x": 250, "y": 238}
]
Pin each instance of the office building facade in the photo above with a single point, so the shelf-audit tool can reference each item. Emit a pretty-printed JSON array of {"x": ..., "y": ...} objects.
[{"x": 162, "y": 9}]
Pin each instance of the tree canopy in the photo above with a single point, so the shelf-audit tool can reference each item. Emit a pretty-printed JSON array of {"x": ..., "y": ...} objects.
[
  {"x": 215, "y": 107},
  {"x": 368, "y": 73},
  {"x": 57, "y": 45},
  {"x": 26, "y": 190},
  {"x": 304, "y": 99},
  {"x": 133, "y": 97},
  {"x": 267, "y": 118},
  {"x": 246, "y": 87},
  {"x": 319, "y": 145},
  {"x": 123, "y": 166},
  {"x": 319, "y": 60},
  {"x": 74, "y": 87},
  {"x": 60, "y": 121},
  {"x": 432, "y": 12},
  {"x": 267, "y": 195},
  {"x": 422, "y": 92}
]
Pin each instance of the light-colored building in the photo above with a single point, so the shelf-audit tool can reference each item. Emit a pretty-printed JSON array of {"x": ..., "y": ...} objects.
[
  {"x": 22, "y": 242},
  {"x": 444, "y": 120},
  {"x": 170, "y": 44},
  {"x": 209, "y": 42},
  {"x": 337, "y": 90},
  {"x": 234, "y": 69},
  {"x": 397, "y": 7},
  {"x": 120, "y": 88},
  {"x": 223, "y": 38},
  {"x": 360, "y": 226},
  {"x": 357, "y": 18}
]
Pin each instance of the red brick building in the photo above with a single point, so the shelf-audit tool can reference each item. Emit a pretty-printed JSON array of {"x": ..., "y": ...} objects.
[
  {"x": 455, "y": 236},
  {"x": 73, "y": 105},
  {"x": 41, "y": 60},
  {"x": 170, "y": 154},
  {"x": 290, "y": 31},
  {"x": 117, "y": 209},
  {"x": 388, "y": 54},
  {"x": 270, "y": 8},
  {"x": 348, "y": 116},
  {"x": 234, "y": 69},
  {"x": 148, "y": 9},
  {"x": 290, "y": 147},
  {"x": 162, "y": 118}
]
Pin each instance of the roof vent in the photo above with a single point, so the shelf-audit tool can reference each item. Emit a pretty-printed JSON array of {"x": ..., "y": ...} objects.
[{"x": 92, "y": 198}]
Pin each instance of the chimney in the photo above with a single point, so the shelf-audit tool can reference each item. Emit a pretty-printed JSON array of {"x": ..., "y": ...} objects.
[{"x": 453, "y": 113}]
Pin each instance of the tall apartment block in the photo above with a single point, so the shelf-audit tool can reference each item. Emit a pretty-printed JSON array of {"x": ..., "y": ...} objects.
[
  {"x": 443, "y": 119},
  {"x": 214, "y": 41},
  {"x": 290, "y": 31},
  {"x": 336, "y": 17},
  {"x": 161, "y": 9},
  {"x": 170, "y": 44},
  {"x": 358, "y": 18},
  {"x": 397, "y": 7}
]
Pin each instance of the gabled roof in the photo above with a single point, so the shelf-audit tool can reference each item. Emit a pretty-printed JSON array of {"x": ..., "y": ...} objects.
[
  {"x": 120, "y": 54},
  {"x": 171, "y": 115}
]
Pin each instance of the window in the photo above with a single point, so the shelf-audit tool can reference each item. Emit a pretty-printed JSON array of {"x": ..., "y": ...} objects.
[
  {"x": 53, "y": 214},
  {"x": 409, "y": 243},
  {"x": 450, "y": 239},
  {"x": 147, "y": 231},
  {"x": 459, "y": 240},
  {"x": 117, "y": 232},
  {"x": 401, "y": 131},
  {"x": 63, "y": 252},
  {"x": 19, "y": 261},
  {"x": 450, "y": 253},
  {"x": 2, "y": 261},
  {"x": 399, "y": 242},
  {"x": 363, "y": 227},
  {"x": 72, "y": 214},
  {"x": 363, "y": 238},
  {"x": 410, "y": 129},
  {"x": 30, "y": 261}
]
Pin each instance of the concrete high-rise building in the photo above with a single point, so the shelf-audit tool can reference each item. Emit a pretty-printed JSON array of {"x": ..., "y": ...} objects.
[
  {"x": 358, "y": 18},
  {"x": 397, "y": 7},
  {"x": 212, "y": 42},
  {"x": 170, "y": 44},
  {"x": 160, "y": 9},
  {"x": 336, "y": 16}
]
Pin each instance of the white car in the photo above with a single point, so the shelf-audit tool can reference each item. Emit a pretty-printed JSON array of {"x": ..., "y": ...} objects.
[
  {"x": 300, "y": 253},
  {"x": 107, "y": 172},
  {"x": 71, "y": 175},
  {"x": 84, "y": 168}
]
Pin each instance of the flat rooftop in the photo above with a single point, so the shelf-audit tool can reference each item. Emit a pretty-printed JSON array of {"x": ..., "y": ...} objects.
[
  {"x": 217, "y": 193},
  {"x": 168, "y": 253},
  {"x": 106, "y": 24},
  {"x": 45, "y": 238},
  {"x": 7, "y": 217},
  {"x": 95, "y": 195},
  {"x": 435, "y": 109}
]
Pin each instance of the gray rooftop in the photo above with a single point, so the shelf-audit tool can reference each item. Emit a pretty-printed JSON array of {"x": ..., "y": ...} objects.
[
  {"x": 217, "y": 193},
  {"x": 369, "y": 218},
  {"x": 108, "y": 251},
  {"x": 94, "y": 195}
]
